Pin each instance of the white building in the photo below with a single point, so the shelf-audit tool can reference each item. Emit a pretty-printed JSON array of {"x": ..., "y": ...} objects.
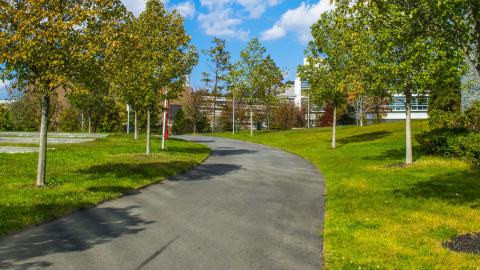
[{"x": 395, "y": 110}]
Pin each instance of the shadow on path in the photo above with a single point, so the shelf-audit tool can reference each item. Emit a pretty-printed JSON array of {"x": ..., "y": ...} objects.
[
  {"x": 77, "y": 232},
  {"x": 207, "y": 172}
]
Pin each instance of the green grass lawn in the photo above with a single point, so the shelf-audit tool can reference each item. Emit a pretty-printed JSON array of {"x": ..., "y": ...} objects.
[
  {"x": 82, "y": 175},
  {"x": 381, "y": 215}
]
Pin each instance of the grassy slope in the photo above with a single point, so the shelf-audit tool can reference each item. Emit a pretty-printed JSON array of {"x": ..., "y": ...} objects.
[
  {"x": 383, "y": 216},
  {"x": 82, "y": 175}
]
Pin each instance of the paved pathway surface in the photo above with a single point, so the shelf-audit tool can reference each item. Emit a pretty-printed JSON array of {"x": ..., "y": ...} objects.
[{"x": 247, "y": 207}]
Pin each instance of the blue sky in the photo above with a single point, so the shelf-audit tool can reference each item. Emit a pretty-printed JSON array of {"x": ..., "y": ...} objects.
[{"x": 283, "y": 27}]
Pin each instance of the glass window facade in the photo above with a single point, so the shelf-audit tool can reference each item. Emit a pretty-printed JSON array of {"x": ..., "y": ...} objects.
[{"x": 418, "y": 104}]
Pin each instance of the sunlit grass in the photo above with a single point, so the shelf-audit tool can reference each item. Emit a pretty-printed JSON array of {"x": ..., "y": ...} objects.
[
  {"x": 381, "y": 215},
  {"x": 81, "y": 175}
]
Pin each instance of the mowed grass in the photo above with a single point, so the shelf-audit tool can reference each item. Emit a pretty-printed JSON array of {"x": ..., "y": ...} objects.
[
  {"x": 82, "y": 175},
  {"x": 379, "y": 214}
]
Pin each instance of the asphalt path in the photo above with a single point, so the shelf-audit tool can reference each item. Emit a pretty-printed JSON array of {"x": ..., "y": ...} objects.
[{"x": 247, "y": 206}]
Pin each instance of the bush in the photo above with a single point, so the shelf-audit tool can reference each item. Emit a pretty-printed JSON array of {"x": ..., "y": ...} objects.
[
  {"x": 451, "y": 143},
  {"x": 467, "y": 147},
  {"x": 69, "y": 120},
  {"x": 180, "y": 123},
  {"x": 472, "y": 117},
  {"x": 6, "y": 122}
]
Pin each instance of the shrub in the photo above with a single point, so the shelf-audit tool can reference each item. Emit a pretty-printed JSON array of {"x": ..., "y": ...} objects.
[
  {"x": 6, "y": 122},
  {"x": 69, "y": 120},
  {"x": 451, "y": 143},
  {"x": 436, "y": 142},
  {"x": 472, "y": 117},
  {"x": 467, "y": 147},
  {"x": 446, "y": 119},
  {"x": 180, "y": 123}
]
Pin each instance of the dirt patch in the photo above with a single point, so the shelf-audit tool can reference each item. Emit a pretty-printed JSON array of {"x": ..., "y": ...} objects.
[{"x": 467, "y": 243}]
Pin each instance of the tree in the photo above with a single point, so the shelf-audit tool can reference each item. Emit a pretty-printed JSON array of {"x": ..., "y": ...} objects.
[
  {"x": 180, "y": 123},
  {"x": 327, "y": 65},
  {"x": 251, "y": 80},
  {"x": 125, "y": 80},
  {"x": 219, "y": 58},
  {"x": 412, "y": 55},
  {"x": 270, "y": 84},
  {"x": 42, "y": 41},
  {"x": 194, "y": 104},
  {"x": 165, "y": 56}
]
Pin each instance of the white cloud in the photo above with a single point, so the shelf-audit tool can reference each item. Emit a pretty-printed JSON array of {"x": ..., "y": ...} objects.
[
  {"x": 186, "y": 9},
  {"x": 4, "y": 84},
  {"x": 221, "y": 20},
  {"x": 256, "y": 7},
  {"x": 135, "y": 6},
  {"x": 221, "y": 23},
  {"x": 297, "y": 21}
]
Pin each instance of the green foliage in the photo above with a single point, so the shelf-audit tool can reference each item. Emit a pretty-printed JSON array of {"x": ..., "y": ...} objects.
[
  {"x": 439, "y": 119},
  {"x": 203, "y": 125},
  {"x": 451, "y": 143},
  {"x": 468, "y": 120},
  {"x": 110, "y": 119},
  {"x": 69, "y": 120},
  {"x": 6, "y": 122},
  {"x": 180, "y": 123},
  {"x": 453, "y": 134},
  {"x": 472, "y": 117}
]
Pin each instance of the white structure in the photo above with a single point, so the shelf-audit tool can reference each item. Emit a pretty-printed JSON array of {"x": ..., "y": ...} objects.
[
  {"x": 396, "y": 108},
  {"x": 6, "y": 101}
]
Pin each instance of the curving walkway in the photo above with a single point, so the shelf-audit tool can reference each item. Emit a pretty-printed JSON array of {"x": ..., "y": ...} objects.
[{"x": 247, "y": 207}]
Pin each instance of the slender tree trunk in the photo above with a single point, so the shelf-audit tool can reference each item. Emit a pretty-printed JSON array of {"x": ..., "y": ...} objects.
[
  {"x": 42, "y": 151},
  {"x": 408, "y": 128},
  {"x": 164, "y": 126},
  {"x": 148, "y": 133},
  {"x": 308, "y": 113},
  {"x": 83, "y": 121},
  {"x": 233, "y": 116},
  {"x": 89, "y": 122},
  {"x": 194, "y": 129},
  {"x": 214, "y": 126},
  {"x": 251, "y": 122},
  {"x": 361, "y": 112},
  {"x": 128, "y": 119},
  {"x": 135, "y": 136},
  {"x": 334, "y": 128}
]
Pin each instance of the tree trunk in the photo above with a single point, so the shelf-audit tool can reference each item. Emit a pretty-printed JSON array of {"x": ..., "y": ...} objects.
[
  {"x": 164, "y": 126},
  {"x": 83, "y": 122},
  {"x": 334, "y": 128},
  {"x": 214, "y": 126},
  {"x": 148, "y": 132},
  {"x": 308, "y": 113},
  {"x": 128, "y": 119},
  {"x": 361, "y": 112},
  {"x": 251, "y": 122},
  {"x": 89, "y": 122},
  {"x": 135, "y": 136},
  {"x": 42, "y": 151},
  {"x": 233, "y": 116},
  {"x": 408, "y": 128}
]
